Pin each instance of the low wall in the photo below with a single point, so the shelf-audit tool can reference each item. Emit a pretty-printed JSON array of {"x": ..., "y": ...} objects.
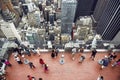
[{"x": 85, "y": 50}]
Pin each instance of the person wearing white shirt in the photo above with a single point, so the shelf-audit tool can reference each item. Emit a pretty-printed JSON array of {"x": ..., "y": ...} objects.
[
  {"x": 73, "y": 53},
  {"x": 38, "y": 51},
  {"x": 18, "y": 60}
]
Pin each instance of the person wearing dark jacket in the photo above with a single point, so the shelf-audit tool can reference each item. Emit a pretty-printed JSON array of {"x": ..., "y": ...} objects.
[
  {"x": 105, "y": 62},
  {"x": 93, "y": 54},
  {"x": 45, "y": 68},
  {"x": 53, "y": 54},
  {"x": 31, "y": 65}
]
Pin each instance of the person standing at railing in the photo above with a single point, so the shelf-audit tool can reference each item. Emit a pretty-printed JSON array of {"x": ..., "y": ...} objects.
[
  {"x": 73, "y": 53},
  {"x": 93, "y": 54}
]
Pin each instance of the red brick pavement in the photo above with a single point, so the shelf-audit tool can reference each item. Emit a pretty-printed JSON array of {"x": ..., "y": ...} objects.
[{"x": 71, "y": 70}]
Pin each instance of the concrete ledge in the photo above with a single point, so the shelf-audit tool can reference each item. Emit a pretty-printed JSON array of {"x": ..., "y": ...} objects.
[
  {"x": 44, "y": 50},
  {"x": 47, "y": 50},
  {"x": 85, "y": 50}
]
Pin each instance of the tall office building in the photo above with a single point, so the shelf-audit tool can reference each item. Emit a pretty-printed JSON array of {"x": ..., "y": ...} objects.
[
  {"x": 9, "y": 30},
  {"x": 59, "y": 4},
  {"x": 68, "y": 12},
  {"x": 99, "y": 9},
  {"x": 108, "y": 20},
  {"x": 8, "y": 12},
  {"x": 37, "y": 17},
  {"x": 46, "y": 15},
  {"x": 34, "y": 18},
  {"x": 51, "y": 18}
]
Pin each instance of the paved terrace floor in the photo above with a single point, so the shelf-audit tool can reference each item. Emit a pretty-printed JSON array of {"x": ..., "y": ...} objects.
[{"x": 71, "y": 70}]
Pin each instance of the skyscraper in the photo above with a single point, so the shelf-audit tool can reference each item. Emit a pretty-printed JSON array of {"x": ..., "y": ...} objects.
[
  {"x": 99, "y": 9},
  {"x": 34, "y": 18},
  {"x": 68, "y": 12},
  {"x": 9, "y": 30},
  {"x": 37, "y": 17},
  {"x": 51, "y": 18},
  {"x": 8, "y": 12},
  {"x": 108, "y": 18}
]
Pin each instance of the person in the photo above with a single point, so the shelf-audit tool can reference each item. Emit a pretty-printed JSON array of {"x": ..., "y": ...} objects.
[
  {"x": 105, "y": 62},
  {"x": 31, "y": 65},
  {"x": 27, "y": 50},
  {"x": 34, "y": 51},
  {"x": 116, "y": 63},
  {"x": 29, "y": 77},
  {"x": 53, "y": 54},
  {"x": 40, "y": 79},
  {"x": 45, "y": 68},
  {"x": 18, "y": 60},
  {"x": 56, "y": 52},
  {"x": 23, "y": 56},
  {"x": 81, "y": 50},
  {"x": 72, "y": 34},
  {"x": 100, "y": 78},
  {"x": 41, "y": 61},
  {"x": 113, "y": 56},
  {"x": 33, "y": 78},
  {"x": 17, "y": 50},
  {"x": 93, "y": 54},
  {"x": 81, "y": 59},
  {"x": 8, "y": 63},
  {"x": 38, "y": 51},
  {"x": 15, "y": 54},
  {"x": 62, "y": 61},
  {"x": 26, "y": 61},
  {"x": 109, "y": 51},
  {"x": 73, "y": 53}
]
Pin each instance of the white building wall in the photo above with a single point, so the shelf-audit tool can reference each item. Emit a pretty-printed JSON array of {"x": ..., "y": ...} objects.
[
  {"x": 9, "y": 30},
  {"x": 59, "y": 3}
]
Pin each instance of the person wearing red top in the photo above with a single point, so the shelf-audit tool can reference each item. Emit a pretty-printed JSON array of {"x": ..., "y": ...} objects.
[
  {"x": 29, "y": 77},
  {"x": 8, "y": 63},
  {"x": 41, "y": 61},
  {"x": 45, "y": 68}
]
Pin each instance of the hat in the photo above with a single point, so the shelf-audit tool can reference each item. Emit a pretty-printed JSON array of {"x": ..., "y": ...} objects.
[
  {"x": 62, "y": 56},
  {"x": 106, "y": 56}
]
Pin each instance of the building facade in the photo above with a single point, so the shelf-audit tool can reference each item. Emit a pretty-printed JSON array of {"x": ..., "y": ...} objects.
[
  {"x": 9, "y": 30},
  {"x": 108, "y": 21},
  {"x": 99, "y": 9},
  {"x": 68, "y": 12}
]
